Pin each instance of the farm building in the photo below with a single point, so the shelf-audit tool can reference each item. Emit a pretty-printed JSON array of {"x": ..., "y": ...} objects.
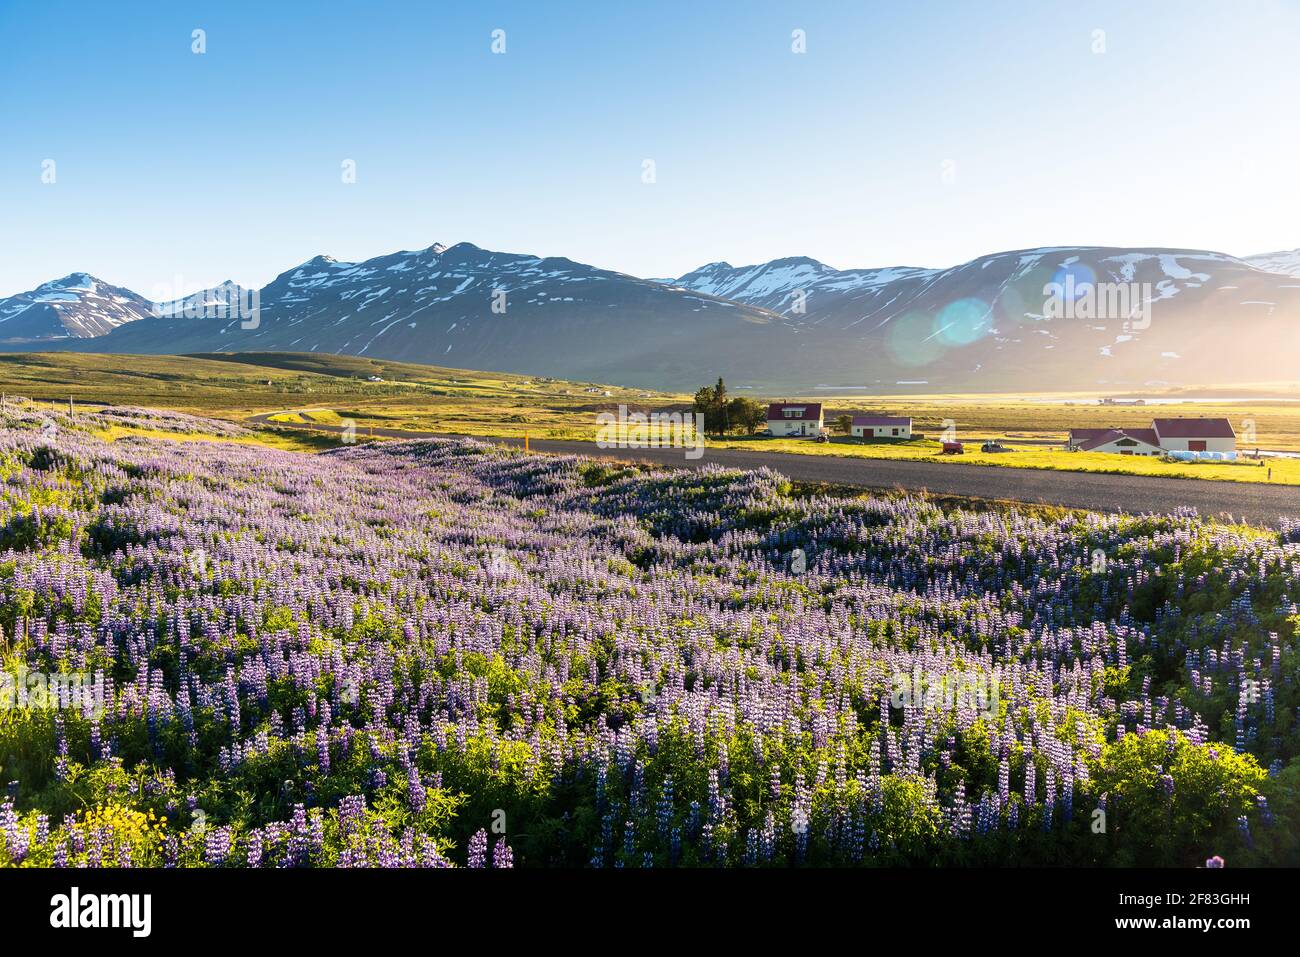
[
  {"x": 881, "y": 427},
  {"x": 1195, "y": 435},
  {"x": 1164, "y": 436},
  {"x": 1119, "y": 441},
  {"x": 794, "y": 418}
]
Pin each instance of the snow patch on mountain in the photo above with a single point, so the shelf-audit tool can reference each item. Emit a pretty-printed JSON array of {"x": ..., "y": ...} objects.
[
  {"x": 76, "y": 306},
  {"x": 1284, "y": 262}
]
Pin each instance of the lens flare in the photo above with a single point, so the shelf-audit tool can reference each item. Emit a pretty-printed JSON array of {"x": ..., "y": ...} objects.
[
  {"x": 911, "y": 339},
  {"x": 1025, "y": 298},
  {"x": 1009, "y": 309},
  {"x": 1074, "y": 279},
  {"x": 962, "y": 322}
]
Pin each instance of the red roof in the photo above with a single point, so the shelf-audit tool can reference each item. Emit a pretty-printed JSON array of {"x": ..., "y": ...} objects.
[
  {"x": 1106, "y": 436},
  {"x": 883, "y": 421},
  {"x": 807, "y": 411},
  {"x": 1194, "y": 428}
]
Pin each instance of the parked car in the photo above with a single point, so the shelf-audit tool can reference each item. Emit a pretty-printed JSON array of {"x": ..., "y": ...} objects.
[
  {"x": 952, "y": 448},
  {"x": 992, "y": 446}
]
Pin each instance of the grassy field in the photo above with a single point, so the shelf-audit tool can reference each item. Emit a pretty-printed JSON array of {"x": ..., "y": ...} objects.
[
  {"x": 1274, "y": 424},
  {"x": 235, "y": 386},
  {"x": 299, "y": 389},
  {"x": 1284, "y": 471},
  {"x": 289, "y": 440}
]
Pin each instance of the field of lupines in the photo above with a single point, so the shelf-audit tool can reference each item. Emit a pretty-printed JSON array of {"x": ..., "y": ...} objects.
[{"x": 445, "y": 654}]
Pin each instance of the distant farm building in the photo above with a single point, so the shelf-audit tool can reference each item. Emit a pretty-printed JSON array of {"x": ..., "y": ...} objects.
[
  {"x": 794, "y": 418},
  {"x": 1165, "y": 436},
  {"x": 881, "y": 427}
]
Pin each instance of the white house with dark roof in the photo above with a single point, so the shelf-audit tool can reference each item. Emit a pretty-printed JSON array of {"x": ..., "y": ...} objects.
[
  {"x": 881, "y": 427},
  {"x": 1164, "y": 436},
  {"x": 1118, "y": 441},
  {"x": 794, "y": 418}
]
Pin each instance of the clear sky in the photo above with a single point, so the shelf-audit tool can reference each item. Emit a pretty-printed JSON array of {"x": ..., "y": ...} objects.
[{"x": 909, "y": 133}]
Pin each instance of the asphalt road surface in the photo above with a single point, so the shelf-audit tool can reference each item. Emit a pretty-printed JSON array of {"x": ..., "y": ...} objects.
[{"x": 1252, "y": 502}]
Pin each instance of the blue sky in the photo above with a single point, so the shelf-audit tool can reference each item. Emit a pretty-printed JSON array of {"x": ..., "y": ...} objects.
[{"x": 909, "y": 133}]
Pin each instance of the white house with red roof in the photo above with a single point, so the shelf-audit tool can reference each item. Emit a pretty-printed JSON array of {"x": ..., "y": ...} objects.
[
  {"x": 1195, "y": 435},
  {"x": 1164, "y": 436},
  {"x": 795, "y": 418},
  {"x": 881, "y": 427},
  {"x": 1119, "y": 441}
]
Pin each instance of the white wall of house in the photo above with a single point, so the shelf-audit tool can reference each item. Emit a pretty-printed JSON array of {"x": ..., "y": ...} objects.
[
  {"x": 1129, "y": 446},
  {"x": 882, "y": 431},
  {"x": 1186, "y": 444},
  {"x": 794, "y": 426}
]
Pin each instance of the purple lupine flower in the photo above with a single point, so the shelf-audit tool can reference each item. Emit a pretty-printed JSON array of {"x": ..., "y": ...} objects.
[
  {"x": 502, "y": 856},
  {"x": 217, "y": 843},
  {"x": 478, "y": 849},
  {"x": 415, "y": 792},
  {"x": 331, "y": 572}
]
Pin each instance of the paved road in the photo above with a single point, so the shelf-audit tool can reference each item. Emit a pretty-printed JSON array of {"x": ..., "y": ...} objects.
[{"x": 1252, "y": 502}]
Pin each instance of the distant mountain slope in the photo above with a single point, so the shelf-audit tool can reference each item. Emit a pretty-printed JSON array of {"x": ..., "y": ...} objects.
[
  {"x": 76, "y": 306},
  {"x": 987, "y": 324},
  {"x": 1163, "y": 317},
  {"x": 774, "y": 285},
  {"x": 212, "y": 302},
  {"x": 475, "y": 308},
  {"x": 1285, "y": 262}
]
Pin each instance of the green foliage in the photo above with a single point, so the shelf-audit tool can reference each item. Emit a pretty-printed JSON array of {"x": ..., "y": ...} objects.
[
  {"x": 1171, "y": 802},
  {"x": 745, "y": 414},
  {"x": 723, "y": 414}
]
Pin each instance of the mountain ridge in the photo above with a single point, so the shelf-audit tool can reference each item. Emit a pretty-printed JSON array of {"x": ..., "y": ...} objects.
[
  {"x": 77, "y": 305},
  {"x": 983, "y": 325}
]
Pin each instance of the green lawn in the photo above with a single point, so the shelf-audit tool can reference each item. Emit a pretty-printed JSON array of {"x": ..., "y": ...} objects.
[{"x": 1284, "y": 471}]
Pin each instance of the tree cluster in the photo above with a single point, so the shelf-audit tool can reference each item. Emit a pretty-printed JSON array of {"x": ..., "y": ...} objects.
[{"x": 723, "y": 414}]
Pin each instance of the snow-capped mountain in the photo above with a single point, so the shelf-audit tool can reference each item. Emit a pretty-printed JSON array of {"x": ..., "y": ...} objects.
[
  {"x": 1026, "y": 319},
  {"x": 782, "y": 284},
  {"x": 474, "y": 308},
  {"x": 210, "y": 303},
  {"x": 1011, "y": 280},
  {"x": 1286, "y": 262},
  {"x": 1054, "y": 318},
  {"x": 76, "y": 306}
]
